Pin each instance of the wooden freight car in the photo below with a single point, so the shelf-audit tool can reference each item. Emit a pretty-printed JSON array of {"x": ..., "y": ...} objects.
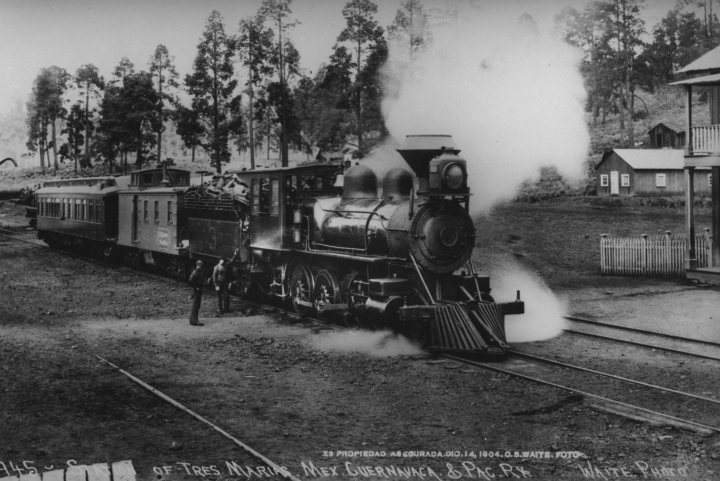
[{"x": 153, "y": 222}]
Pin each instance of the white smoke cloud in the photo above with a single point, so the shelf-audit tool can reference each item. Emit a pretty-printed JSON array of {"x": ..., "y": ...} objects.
[
  {"x": 543, "y": 318},
  {"x": 370, "y": 343},
  {"x": 507, "y": 90}
]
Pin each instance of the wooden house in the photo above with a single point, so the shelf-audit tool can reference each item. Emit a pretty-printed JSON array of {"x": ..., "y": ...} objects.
[
  {"x": 702, "y": 149},
  {"x": 667, "y": 135},
  {"x": 646, "y": 172},
  {"x": 329, "y": 157}
]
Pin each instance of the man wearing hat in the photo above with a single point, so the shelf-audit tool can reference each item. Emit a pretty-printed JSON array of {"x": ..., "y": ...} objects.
[
  {"x": 197, "y": 282},
  {"x": 222, "y": 275}
]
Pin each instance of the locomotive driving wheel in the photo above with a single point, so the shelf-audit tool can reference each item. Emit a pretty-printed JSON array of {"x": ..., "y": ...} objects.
[
  {"x": 301, "y": 289},
  {"x": 326, "y": 291},
  {"x": 354, "y": 294}
]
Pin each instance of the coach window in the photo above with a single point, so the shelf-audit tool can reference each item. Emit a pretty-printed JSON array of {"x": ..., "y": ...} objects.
[
  {"x": 91, "y": 210},
  {"x": 63, "y": 208},
  {"x": 274, "y": 197},
  {"x": 145, "y": 210},
  {"x": 157, "y": 211},
  {"x": 169, "y": 215}
]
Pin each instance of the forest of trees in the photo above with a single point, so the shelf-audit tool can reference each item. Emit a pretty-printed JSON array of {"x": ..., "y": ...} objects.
[{"x": 246, "y": 92}]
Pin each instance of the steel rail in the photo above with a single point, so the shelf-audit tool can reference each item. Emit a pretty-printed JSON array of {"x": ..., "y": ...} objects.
[
  {"x": 641, "y": 344},
  {"x": 278, "y": 469},
  {"x": 612, "y": 376},
  {"x": 642, "y": 331},
  {"x": 584, "y": 393}
]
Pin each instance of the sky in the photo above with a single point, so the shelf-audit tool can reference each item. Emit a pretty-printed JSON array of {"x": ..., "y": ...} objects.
[{"x": 69, "y": 33}]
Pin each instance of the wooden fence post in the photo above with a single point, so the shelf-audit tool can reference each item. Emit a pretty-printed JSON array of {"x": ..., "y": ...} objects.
[
  {"x": 707, "y": 248},
  {"x": 668, "y": 255},
  {"x": 603, "y": 256},
  {"x": 644, "y": 256}
]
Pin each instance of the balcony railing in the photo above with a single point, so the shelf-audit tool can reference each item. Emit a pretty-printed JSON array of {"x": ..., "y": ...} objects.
[{"x": 706, "y": 139}]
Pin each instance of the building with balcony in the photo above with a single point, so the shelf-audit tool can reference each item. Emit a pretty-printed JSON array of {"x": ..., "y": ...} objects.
[{"x": 702, "y": 149}]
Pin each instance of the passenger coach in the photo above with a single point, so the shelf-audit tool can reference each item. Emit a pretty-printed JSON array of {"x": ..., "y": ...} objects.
[{"x": 79, "y": 212}]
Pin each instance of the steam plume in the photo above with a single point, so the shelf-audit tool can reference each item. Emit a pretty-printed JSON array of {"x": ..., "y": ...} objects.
[
  {"x": 370, "y": 343},
  {"x": 543, "y": 318},
  {"x": 510, "y": 95}
]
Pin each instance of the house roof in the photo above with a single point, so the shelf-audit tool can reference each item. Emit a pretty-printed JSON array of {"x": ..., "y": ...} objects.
[
  {"x": 330, "y": 155},
  {"x": 649, "y": 159},
  {"x": 677, "y": 128},
  {"x": 713, "y": 79},
  {"x": 708, "y": 62}
]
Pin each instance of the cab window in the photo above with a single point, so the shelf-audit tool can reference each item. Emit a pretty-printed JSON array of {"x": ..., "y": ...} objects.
[
  {"x": 275, "y": 197},
  {"x": 264, "y": 196}
]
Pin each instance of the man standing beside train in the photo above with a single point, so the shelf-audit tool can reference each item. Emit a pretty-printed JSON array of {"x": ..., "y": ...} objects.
[
  {"x": 197, "y": 282},
  {"x": 222, "y": 275}
]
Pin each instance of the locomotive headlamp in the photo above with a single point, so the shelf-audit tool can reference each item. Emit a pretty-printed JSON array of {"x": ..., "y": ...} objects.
[
  {"x": 453, "y": 176},
  {"x": 448, "y": 175}
]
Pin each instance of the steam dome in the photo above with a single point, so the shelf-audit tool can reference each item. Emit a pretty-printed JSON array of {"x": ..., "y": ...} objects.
[{"x": 360, "y": 183}]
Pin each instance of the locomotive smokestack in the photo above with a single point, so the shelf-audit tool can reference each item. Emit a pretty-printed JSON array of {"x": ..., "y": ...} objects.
[{"x": 419, "y": 150}]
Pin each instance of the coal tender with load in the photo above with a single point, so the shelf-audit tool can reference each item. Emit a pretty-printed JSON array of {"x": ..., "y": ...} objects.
[{"x": 398, "y": 259}]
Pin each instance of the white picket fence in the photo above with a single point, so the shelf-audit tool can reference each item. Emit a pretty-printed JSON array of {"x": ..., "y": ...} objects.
[{"x": 651, "y": 255}]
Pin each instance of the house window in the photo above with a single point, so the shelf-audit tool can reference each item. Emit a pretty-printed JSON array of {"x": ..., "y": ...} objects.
[
  {"x": 145, "y": 210},
  {"x": 157, "y": 211},
  {"x": 625, "y": 180},
  {"x": 660, "y": 180},
  {"x": 169, "y": 215},
  {"x": 603, "y": 180}
]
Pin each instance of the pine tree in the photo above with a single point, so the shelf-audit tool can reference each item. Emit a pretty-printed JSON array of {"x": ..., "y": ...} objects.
[
  {"x": 362, "y": 33},
  {"x": 165, "y": 75},
  {"x": 212, "y": 85},
  {"x": 91, "y": 82},
  {"x": 254, "y": 48},
  {"x": 286, "y": 60}
]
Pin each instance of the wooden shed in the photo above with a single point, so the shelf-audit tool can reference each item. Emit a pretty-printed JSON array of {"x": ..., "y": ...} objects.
[
  {"x": 667, "y": 135},
  {"x": 646, "y": 172}
]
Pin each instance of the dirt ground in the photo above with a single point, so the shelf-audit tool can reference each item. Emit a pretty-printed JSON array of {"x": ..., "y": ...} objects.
[{"x": 329, "y": 405}]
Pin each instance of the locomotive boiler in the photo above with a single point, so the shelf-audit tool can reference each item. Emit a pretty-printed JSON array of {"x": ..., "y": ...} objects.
[{"x": 397, "y": 258}]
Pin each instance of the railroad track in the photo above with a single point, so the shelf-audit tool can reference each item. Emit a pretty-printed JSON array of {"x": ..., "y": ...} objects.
[
  {"x": 528, "y": 365},
  {"x": 647, "y": 339},
  {"x": 276, "y": 469},
  {"x": 620, "y": 407}
]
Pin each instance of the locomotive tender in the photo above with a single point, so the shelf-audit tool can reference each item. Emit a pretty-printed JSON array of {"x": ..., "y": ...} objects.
[{"x": 327, "y": 242}]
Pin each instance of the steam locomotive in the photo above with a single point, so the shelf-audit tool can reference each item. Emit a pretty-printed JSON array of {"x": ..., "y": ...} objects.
[{"x": 338, "y": 244}]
